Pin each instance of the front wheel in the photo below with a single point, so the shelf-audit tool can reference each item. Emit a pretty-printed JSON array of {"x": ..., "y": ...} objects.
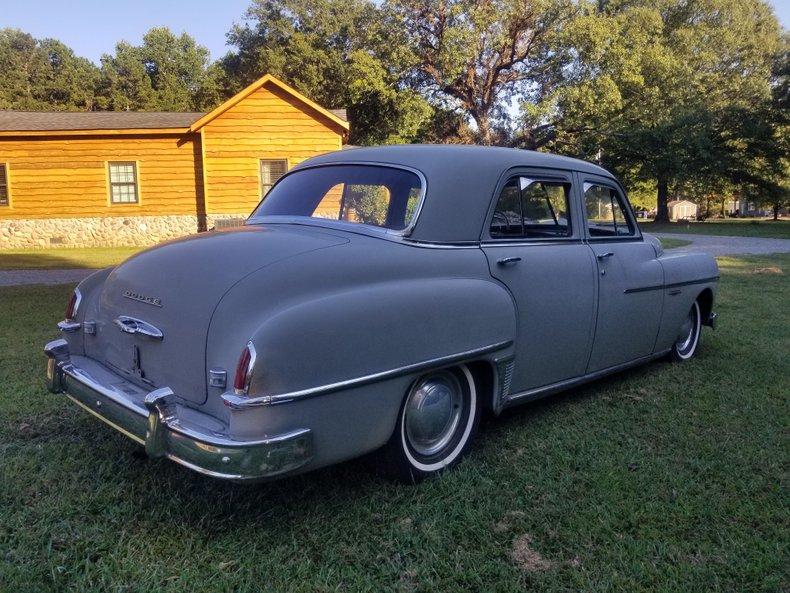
[
  {"x": 437, "y": 421},
  {"x": 686, "y": 344}
]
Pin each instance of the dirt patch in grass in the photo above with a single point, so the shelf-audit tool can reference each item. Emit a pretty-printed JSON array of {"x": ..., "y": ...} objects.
[{"x": 526, "y": 557}]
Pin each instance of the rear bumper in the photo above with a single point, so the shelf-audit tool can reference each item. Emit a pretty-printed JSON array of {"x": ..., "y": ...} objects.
[{"x": 167, "y": 429}]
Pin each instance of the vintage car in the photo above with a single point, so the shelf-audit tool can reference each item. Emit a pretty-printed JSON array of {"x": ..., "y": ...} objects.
[{"x": 377, "y": 299}]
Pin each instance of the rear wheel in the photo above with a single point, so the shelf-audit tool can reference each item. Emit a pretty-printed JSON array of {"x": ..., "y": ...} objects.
[
  {"x": 436, "y": 424},
  {"x": 686, "y": 344}
]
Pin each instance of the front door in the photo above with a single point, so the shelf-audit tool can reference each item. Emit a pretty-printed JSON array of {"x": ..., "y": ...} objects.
[
  {"x": 534, "y": 246},
  {"x": 629, "y": 277}
]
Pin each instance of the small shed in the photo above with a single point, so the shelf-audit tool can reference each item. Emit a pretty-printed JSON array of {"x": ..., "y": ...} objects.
[{"x": 682, "y": 210}]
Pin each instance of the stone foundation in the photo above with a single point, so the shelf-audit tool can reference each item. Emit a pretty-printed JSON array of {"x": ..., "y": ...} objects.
[{"x": 115, "y": 231}]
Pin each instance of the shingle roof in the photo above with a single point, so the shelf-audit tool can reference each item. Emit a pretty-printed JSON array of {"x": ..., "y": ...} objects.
[
  {"x": 44, "y": 121},
  {"x": 23, "y": 121}
]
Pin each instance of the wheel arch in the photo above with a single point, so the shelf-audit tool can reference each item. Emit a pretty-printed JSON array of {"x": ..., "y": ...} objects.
[{"x": 705, "y": 300}]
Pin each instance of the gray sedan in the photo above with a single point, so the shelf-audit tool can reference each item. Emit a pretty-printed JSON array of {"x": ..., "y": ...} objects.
[{"x": 378, "y": 299}]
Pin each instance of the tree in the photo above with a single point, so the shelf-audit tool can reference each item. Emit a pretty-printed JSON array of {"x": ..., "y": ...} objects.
[
  {"x": 656, "y": 83},
  {"x": 338, "y": 53},
  {"x": 166, "y": 73},
  {"x": 43, "y": 74},
  {"x": 479, "y": 56}
]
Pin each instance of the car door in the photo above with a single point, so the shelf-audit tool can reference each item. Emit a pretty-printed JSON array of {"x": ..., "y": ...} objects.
[
  {"x": 629, "y": 276},
  {"x": 534, "y": 244}
]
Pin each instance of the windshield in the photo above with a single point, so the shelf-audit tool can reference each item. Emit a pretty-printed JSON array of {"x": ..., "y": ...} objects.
[{"x": 367, "y": 194}]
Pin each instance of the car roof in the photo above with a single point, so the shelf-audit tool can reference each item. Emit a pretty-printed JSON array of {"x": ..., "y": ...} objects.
[{"x": 460, "y": 180}]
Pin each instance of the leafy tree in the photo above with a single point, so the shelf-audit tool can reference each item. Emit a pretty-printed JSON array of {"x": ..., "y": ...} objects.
[
  {"x": 166, "y": 73},
  {"x": 338, "y": 53},
  {"x": 43, "y": 74},
  {"x": 656, "y": 83},
  {"x": 479, "y": 56}
]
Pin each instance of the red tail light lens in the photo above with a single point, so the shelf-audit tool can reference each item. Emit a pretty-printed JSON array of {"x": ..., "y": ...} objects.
[
  {"x": 73, "y": 304},
  {"x": 241, "y": 382}
]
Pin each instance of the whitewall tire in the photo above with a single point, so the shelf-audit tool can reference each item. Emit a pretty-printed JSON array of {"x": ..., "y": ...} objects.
[
  {"x": 436, "y": 424},
  {"x": 687, "y": 342}
]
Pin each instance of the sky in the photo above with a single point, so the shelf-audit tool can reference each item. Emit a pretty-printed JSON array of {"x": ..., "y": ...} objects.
[{"x": 92, "y": 27}]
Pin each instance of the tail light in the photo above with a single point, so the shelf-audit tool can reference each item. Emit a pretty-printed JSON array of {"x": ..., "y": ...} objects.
[
  {"x": 73, "y": 304},
  {"x": 241, "y": 382}
]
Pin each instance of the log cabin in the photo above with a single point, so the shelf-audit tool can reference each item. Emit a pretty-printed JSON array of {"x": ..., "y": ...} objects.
[{"x": 136, "y": 178}]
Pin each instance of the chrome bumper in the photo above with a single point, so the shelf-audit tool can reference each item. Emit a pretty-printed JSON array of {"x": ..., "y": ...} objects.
[{"x": 157, "y": 422}]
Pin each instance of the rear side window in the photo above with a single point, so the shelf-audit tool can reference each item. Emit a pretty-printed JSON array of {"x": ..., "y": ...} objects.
[
  {"x": 606, "y": 212},
  {"x": 532, "y": 209}
]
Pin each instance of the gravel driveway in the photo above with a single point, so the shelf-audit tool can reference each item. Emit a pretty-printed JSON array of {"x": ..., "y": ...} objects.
[
  {"x": 20, "y": 277},
  {"x": 729, "y": 245},
  {"x": 708, "y": 243}
]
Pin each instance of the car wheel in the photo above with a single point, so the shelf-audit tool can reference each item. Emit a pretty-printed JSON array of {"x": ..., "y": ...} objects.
[
  {"x": 437, "y": 421},
  {"x": 686, "y": 344}
]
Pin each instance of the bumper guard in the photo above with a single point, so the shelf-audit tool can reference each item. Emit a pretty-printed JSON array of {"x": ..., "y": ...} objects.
[{"x": 155, "y": 422}]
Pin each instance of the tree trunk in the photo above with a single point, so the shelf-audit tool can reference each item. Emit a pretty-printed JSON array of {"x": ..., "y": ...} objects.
[
  {"x": 483, "y": 129},
  {"x": 776, "y": 211},
  {"x": 662, "y": 211}
]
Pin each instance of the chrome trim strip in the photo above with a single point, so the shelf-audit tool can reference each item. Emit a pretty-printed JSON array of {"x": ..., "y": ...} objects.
[
  {"x": 540, "y": 392},
  {"x": 240, "y": 403},
  {"x": 405, "y": 231},
  {"x": 673, "y": 285}
]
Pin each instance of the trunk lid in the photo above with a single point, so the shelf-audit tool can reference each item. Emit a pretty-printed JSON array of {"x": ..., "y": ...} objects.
[{"x": 174, "y": 288}]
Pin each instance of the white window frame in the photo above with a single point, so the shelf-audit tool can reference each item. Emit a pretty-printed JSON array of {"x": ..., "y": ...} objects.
[{"x": 135, "y": 183}]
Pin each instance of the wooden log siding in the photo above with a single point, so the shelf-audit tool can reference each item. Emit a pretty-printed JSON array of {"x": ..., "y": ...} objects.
[
  {"x": 267, "y": 124},
  {"x": 68, "y": 177},
  {"x": 209, "y": 167}
]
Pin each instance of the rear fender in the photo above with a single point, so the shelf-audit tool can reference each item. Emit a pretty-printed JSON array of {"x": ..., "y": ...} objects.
[
  {"x": 686, "y": 277},
  {"x": 380, "y": 328}
]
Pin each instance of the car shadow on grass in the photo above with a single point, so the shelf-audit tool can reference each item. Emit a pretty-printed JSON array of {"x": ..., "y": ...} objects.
[{"x": 175, "y": 495}]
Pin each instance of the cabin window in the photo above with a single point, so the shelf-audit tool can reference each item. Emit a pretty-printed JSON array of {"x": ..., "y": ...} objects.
[
  {"x": 532, "y": 209},
  {"x": 123, "y": 182},
  {"x": 4, "y": 185},
  {"x": 271, "y": 171},
  {"x": 606, "y": 212}
]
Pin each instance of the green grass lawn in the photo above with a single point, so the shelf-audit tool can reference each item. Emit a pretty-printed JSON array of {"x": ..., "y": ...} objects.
[
  {"x": 739, "y": 227},
  {"x": 673, "y": 243},
  {"x": 89, "y": 257},
  {"x": 665, "y": 478}
]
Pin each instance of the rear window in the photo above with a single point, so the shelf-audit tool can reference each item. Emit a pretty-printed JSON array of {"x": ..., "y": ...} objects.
[{"x": 366, "y": 194}]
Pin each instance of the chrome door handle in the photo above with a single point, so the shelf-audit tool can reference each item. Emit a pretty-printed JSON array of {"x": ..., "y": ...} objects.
[
  {"x": 507, "y": 261},
  {"x": 131, "y": 325},
  {"x": 603, "y": 256}
]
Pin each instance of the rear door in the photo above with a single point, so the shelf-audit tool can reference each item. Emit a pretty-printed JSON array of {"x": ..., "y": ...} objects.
[
  {"x": 629, "y": 276},
  {"x": 533, "y": 242}
]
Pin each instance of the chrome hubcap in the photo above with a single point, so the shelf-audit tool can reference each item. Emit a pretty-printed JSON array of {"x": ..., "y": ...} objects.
[
  {"x": 686, "y": 333},
  {"x": 433, "y": 412}
]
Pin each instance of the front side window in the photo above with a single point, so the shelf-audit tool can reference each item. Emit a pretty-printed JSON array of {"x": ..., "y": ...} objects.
[
  {"x": 606, "y": 214},
  {"x": 532, "y": 209},
  {"x": 271, "y": 171},
  {"x": 123, "y": 183},
  {"x": 4, "y": 201},
  {"x": 366, "y": 194}
]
